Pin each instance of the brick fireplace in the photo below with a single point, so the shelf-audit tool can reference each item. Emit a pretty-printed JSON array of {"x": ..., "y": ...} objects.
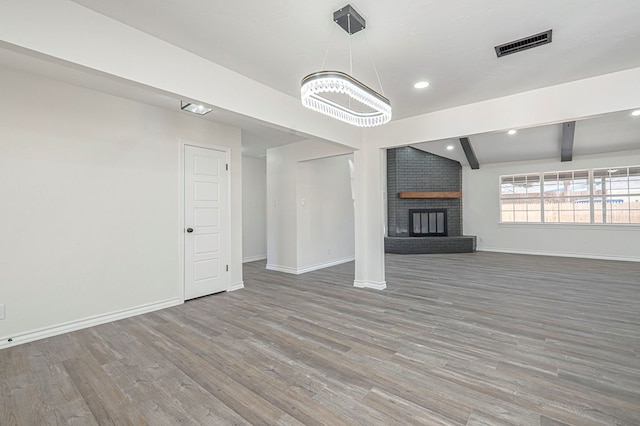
[{"x": 424, "y": 195}]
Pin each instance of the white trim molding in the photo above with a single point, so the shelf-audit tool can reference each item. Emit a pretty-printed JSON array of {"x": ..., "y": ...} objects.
[
  {"x": 324, "y": 265},
  {"x": 299, "y": 271},
  {"x": 236, "y": 286},
  {"x": 370, "y": 284},
  {"x": 254, "y": 258},
  {"x": 70, "y": 326},
  {"x": 285, "y": 269},
  {"x": 561, "y": 254}
]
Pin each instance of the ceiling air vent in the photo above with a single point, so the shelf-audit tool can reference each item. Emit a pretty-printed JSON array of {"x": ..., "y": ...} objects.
[{"x": 524, "y": 44}]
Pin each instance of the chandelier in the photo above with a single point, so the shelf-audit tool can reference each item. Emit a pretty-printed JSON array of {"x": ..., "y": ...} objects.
[{"x": 366, "y": 107}]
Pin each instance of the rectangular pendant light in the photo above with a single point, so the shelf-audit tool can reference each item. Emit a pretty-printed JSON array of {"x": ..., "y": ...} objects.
[
  {"x": 315, "y": 85},
  {"x": 316, "y": 88}
]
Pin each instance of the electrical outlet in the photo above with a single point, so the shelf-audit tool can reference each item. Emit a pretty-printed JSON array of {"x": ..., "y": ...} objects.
[{"x": 1, "y": 311}]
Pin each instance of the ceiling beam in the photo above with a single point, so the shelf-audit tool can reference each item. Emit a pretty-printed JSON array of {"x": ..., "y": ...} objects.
[
  {"x": 209, "y": 83},
  {"x": 568, "y": 131},
  {"x": 468, "y": 151}
]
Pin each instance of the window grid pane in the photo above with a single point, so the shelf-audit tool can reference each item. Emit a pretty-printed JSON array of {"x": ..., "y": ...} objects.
[
  {"x": 520, "y": 198},
  {"x": 616, "y": 195},
  {"x": 432, "y": 223},
  {"x": 610, "y": 195}
]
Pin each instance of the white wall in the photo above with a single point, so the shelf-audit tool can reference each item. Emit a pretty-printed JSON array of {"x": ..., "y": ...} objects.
[
  {"x": 254, "y": 209},
  {"x": 89, "y": 217},
  {"x": 325, "y": 221},
  {"x": 481, "y": 215},
  {"x": 282, "y": 184}
]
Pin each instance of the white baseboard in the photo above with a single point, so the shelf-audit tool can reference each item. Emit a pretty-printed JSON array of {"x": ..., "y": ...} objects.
[
  {"x": 298, "y": 271},
  {"x": 561, "y": 254},
  {"x": 285, "y": 269},
  {"x": 370, "y": 284},
  {"x": 236, "y": 286},
  {"x": 70, "y": 326},
  {"x": 254, "y": 258},
  {"x": 325, "y": 265}
]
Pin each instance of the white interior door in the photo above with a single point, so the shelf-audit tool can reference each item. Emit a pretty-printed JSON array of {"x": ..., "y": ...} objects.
[{"x": 206, "y": 227}]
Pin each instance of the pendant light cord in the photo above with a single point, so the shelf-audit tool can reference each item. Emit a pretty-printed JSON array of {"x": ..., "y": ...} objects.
[
  {"x": 374, "y": 64},
  {"x": 350, "y": 57},
  {"x": 326, "y": 53}
]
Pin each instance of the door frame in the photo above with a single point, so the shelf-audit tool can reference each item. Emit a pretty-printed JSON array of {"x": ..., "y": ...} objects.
[{"x": 181, "y": 225}]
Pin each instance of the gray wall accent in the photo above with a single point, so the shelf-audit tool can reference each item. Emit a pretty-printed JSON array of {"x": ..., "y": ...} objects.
[{"x": 410, "y": 169}]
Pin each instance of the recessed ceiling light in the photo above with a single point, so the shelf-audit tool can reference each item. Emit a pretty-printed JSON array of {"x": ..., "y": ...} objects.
[
  {"x": 512, "y": 131},
  {"x": 449, "y": 147},
  {"x": 194, "y": 108},
  {"x": 636, "y": 113},
  {"x": 421, "y": 84}
]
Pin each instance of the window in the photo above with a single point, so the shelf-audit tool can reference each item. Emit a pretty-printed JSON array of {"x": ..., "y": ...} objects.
[
  {"x": 616, "y": 195},
  {"x": 520, "y": 198},
  {"x": 579, "y": 196},
  {"x": 566, "y": 197}
]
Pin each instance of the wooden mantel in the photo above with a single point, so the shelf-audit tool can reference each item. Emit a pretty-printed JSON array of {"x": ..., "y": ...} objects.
[{"x": 450, "y": 194}]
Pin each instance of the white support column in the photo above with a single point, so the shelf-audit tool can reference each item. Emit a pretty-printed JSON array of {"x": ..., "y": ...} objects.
[{"x": 369, "y": 223}]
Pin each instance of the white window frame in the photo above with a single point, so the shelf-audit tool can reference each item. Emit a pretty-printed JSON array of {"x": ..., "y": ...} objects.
[{"x": 591, "y": 197}]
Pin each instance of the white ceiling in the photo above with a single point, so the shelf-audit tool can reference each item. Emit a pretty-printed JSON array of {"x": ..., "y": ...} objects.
[
  {"x": 609, "y": 133},
  {"x": 450, "y": 44}
]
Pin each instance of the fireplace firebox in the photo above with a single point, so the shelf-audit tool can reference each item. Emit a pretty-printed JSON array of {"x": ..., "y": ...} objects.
[{"x": 428, "y": 222}]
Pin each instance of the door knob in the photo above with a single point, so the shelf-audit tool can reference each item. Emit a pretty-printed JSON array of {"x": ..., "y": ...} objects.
[{"x": 189, "y": 230}]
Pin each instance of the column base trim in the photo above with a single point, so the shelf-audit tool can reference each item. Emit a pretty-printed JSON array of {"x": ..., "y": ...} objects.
[{"x": 370, "y": 284}]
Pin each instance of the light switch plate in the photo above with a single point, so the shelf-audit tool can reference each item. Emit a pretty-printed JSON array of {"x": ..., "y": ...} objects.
[{"x": 1, "y": 311}]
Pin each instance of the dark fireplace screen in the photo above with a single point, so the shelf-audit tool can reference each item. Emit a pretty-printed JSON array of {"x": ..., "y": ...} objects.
[{"x": 428, "y": 223}]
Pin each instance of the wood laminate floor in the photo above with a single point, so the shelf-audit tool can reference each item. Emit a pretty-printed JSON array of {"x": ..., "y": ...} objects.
[{"x": 469, "y": 339}]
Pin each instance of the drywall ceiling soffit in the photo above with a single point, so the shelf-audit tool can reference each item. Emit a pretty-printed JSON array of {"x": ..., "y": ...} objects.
[
  {"x": 449, "y": 44},
  {"x": 608, "y": 133},
  {"x": 257, "y": 137}
]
